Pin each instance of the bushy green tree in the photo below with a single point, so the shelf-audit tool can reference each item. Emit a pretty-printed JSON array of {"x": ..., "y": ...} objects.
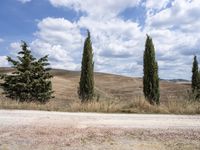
[
  {"x": 150, "y": 79},
  {"x": 41, "y": 85},
  {"x": 86, "y": 84},
  {"x": 31, "y": 79}
]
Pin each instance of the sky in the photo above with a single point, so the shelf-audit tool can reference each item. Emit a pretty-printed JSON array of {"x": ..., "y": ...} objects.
[{"x": 118, "y": 31}]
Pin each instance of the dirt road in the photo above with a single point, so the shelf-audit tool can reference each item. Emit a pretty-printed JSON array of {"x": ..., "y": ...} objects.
[{"x": 56, "y": 130}]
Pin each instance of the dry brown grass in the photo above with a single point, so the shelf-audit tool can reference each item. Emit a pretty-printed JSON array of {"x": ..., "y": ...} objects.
[
  {"x": 117, "y": 94},
  {"x": 109, "y": 107},
  {"x": 138, "y": 105}
]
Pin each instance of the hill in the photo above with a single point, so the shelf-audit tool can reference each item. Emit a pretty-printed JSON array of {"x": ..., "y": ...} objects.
[{"x": 110, "y": 88}]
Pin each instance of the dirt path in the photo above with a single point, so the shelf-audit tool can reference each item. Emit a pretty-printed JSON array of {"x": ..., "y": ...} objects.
[{"x": 56, "y": 130}]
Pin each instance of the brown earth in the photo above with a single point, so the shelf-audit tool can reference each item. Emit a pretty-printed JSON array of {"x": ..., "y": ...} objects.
[
  {"x": 113, "y": 86},
  {"x": 65, "y": 84}
]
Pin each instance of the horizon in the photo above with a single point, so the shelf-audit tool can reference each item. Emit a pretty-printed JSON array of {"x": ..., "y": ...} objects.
[
  {"x": 105, "y": 73},
  {"x": 118, "y": 31}
]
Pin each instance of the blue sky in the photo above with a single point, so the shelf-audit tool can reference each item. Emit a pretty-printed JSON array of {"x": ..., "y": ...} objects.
[
  {"x": 19, "y": 20},
  {"x": 118, "y": 29}
]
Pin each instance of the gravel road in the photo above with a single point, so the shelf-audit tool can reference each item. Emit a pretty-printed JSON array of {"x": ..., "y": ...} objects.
[{"x": 57, "y": 130}]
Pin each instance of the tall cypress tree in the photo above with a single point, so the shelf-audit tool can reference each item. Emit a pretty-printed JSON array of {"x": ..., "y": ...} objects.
[
  {"x": 31, "y": 80},
  {"x": 196, "y": 93},
  {"x": 150, "y": 79},
  {"x": 86, "y": 84},
  {"x": 195, "y": 75}
]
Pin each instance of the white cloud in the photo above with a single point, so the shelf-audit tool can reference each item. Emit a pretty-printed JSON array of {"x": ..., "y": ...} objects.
[
  {"x": 181, "y": 14},
  {"x": 15, "y": 46},
  {"x": 59, "y": 31},
  {"x": 118, "y": 44},
  {"x": 59, "y": 57},
  {"x": 97, "y": 8},
  {"x": 1, "y": 40},
  {"x": 176, "y": 37},
  {"x": 156, "y": 5},
  {"x": 3, "y": 61},
  {"x": 120, "y": 40},
  {"x": 24, "y": 1},
  {"x": 61, "y": 40}
]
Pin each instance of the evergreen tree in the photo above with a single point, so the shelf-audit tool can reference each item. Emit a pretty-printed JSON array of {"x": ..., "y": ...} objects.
[
  {"x": 41, "y": 85},
  {"x": 30, "y": 80},
  {"x": 195, "y": 75},
  {"x": 196, "y": 92},
  {"x": 150, "y": 79},
  {"x": 86, "y": 84},
  {"x": 195, "y": 80}
]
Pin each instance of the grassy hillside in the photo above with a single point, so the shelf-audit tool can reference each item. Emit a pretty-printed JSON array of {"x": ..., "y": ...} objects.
[{"x": 115, "y": 94}]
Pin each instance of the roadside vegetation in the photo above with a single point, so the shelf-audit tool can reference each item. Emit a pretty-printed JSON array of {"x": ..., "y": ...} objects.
[{"x": 137, "y": 105}]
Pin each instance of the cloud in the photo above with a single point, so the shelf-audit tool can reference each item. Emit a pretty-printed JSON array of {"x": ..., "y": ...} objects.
[
  {"x": 58, "y": 56},
  {"x": 3, "y": 61},
  {"x": 155, "y": 5},
  {"x": 24, "y": 1},
  {"x": 111, "y": 40},
  {"x": 59, "y": 31},
  {"x": 181, "y": 14},
  {"x": 97, "y": 8},
  {"x": 118, "y": 44},
  {"x": 61, "y": 40},
  {"x": 14, "y": 48},
  {"x": 1, "y": 40},
  {"x": 176, "y": 36}
]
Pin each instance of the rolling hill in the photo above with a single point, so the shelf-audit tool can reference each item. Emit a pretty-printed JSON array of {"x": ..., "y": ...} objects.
[{"x": 109, "y": 87}]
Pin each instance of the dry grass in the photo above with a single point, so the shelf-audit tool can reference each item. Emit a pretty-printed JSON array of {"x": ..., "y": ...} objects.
[
  {"x": 108, "y": 106},
  {"x": 138, "y": 105},
  {"x": 117, "y": 94}
]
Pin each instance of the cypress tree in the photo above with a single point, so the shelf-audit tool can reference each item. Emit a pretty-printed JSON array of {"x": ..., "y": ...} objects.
[
  {"x": 150, "y": 79},
  {"x": 195, "y": 79},
  {"x": 196, "y": 92},
  {"x": 195, "y": 75},
  {"x": 30, "y": 80},
  {"x": 86, "y": 84}
]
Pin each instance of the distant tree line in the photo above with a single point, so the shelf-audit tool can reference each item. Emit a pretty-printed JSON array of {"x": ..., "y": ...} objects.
[{"x": 31, "y": 80}]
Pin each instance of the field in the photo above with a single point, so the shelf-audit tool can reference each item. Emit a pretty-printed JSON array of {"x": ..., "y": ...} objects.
[{"x": 114, "y": 93}]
